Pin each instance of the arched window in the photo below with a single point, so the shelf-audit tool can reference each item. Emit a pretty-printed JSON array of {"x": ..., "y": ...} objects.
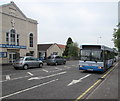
[
  {"x": 12, "y": 37},
  {"x": 31, "y": 39}
]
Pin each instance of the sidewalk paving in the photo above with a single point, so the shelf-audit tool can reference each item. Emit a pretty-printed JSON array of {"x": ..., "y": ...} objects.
[{"x": 108, "y": 89}]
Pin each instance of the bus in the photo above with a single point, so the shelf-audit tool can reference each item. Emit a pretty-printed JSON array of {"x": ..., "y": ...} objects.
[{"x": 96, "y": 58}]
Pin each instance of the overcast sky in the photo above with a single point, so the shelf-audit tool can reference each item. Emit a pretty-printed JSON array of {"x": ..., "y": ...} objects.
[{"x": 85, "y": 21}]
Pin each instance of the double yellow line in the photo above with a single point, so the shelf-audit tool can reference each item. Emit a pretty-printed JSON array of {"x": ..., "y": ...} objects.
[{"x": 97, "y": 82}]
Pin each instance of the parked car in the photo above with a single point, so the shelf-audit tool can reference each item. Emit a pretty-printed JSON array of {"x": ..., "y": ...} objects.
[
  {"x": 27, "y": 62},
  {"x": 55, "y": 60},
  {"x": 42, "y": 59}
]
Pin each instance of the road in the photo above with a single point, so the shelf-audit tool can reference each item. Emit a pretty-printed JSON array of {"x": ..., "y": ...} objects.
[{"x": 49, "y": 82}]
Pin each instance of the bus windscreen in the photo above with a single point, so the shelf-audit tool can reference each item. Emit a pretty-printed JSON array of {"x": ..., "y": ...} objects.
[{"x": 91, "y": 55}]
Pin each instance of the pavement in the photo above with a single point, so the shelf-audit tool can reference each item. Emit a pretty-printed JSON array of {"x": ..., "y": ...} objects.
[{"x": 108, "y": 89}]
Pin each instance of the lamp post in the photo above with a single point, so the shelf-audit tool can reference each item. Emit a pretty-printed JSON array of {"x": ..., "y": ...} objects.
[{"x": 98, "y": 39}]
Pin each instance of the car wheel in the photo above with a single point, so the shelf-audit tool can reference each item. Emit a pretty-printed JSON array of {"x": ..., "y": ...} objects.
[
  {"x": 25, "y": 67},
  {"x": 16, "y": 68},
  {"x": 40, "y": 65},
  {"x": 64, "y": 62},
  {"x": 56, "y": 64},
  {"x": 48, "y": 64}
]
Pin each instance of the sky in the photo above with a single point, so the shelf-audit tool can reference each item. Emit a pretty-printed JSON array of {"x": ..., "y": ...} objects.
[{"x": 85, "y": 21}]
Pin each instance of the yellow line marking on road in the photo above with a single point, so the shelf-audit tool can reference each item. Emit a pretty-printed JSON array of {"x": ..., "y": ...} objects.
[
  {"x": 109, "y": 71},
  {"x": 97, "y": 82},
  {"x": 87, "y": 90}
]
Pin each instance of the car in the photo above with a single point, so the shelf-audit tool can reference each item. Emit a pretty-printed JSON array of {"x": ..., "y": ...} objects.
[
  {"x": 42, "y": 59},
  {"x": 27, "y": 62},
  {"x": 55, "y": 60}
]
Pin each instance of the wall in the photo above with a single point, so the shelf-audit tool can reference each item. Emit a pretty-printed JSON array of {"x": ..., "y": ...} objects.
[{"x": 54, "y": 48}]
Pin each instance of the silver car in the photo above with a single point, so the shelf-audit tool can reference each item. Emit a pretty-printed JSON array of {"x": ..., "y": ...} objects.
[
  {"x": 55, "y": 60},
  {"x": 27, "y": 62}
]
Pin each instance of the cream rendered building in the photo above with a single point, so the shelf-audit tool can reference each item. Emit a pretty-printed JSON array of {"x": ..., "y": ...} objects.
[
  {"x": 18, "y": 34},
  {"x": 45, "y": 50}
]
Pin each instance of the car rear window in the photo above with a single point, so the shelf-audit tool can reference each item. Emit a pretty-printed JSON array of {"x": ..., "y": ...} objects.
[
  {"x": 20, "y": 59},
  {"x": 51, "y": 57}
]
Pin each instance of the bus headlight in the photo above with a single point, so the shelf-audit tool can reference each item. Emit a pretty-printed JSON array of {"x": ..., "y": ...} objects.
[
  {"x": 80, "y": 66},
  {"x": 100, "y": 67}
]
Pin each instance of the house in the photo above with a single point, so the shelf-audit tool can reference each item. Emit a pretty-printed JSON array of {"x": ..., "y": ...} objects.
[
  {"x": 18, "y": 35},
  {"x": 45, "y": 50}
]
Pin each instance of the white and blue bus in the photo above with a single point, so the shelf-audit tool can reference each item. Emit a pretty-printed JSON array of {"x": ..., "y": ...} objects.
[{"x": 96, "y": 58}]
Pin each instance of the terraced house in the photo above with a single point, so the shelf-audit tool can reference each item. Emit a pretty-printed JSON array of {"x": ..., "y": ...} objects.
[{"x": 18, "y": 34}]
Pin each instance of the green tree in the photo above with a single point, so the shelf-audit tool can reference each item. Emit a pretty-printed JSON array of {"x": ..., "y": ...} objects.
[
  {"x": 73, "y": 50},
  {"x": 68, "y": 44},
  {"x": 116, "y": 39}
]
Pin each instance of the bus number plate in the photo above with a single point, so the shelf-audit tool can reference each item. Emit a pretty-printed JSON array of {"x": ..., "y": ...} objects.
[{"x": 90, "y": 69}]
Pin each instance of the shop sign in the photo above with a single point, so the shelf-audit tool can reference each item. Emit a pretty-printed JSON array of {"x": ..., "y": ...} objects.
[
  {"x": 12, "y": 46},
  {"x": 3, "y": 54}
]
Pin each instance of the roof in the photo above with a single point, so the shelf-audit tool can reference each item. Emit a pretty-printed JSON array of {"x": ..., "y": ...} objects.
[
  {"x": 44, "y": 47},
  {"x": 61, "y": 46},
  {"x": 103, "y": 47},
  {"x": 12, "y": 3},
  {"x": 26, "y": 18}
]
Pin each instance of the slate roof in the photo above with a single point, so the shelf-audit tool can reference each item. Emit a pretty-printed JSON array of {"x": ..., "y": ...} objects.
[{"x": 43, "y": 47}]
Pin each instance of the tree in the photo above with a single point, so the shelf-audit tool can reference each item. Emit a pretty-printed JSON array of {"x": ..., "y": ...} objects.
[
  {"x": 68, "y": 44},
  {"x": 116, "y": 38},
  {"x": 73, "y": 50}
]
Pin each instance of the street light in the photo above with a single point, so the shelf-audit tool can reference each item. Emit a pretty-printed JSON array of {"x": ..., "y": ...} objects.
[{"x": 98, "y": 39}]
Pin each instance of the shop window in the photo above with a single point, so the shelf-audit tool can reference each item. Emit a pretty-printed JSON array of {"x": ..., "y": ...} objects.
[{"x": 3, "y": 54}]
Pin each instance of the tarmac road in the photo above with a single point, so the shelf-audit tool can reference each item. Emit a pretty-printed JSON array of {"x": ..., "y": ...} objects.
[{"x": 54, "y": 82}]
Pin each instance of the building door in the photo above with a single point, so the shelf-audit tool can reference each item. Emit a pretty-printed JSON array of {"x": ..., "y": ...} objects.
[{"x": 12, "y": 57}]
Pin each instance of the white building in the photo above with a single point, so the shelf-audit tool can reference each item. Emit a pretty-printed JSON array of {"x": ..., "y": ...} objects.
[{"x": 18, "y": 34}]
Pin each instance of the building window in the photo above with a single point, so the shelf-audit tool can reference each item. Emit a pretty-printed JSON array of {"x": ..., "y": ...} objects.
[
  {"x": 7, "y": 37},
  {"x": 31, "y": 39},
  {"x": 17, "y": 39},
  {"x": 12, "y": 38}
]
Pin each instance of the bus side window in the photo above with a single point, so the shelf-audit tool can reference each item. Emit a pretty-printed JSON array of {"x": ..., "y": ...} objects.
[{"x": 105, "y": 55}]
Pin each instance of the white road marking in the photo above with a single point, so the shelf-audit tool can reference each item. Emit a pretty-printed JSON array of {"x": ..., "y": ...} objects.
[
  {"x": 67, "y": 67},
  {"x": 45, "y": 70},
  {"x": 16, "y": 78},
  {"x": 79, "y": 80},
  {"x": 30, "y": 88},
  {"x": 58, "y": 68},
  {"x": 30, "y": 73},
  {"x": 7, "y": 77},
  {"x": 32, "y": 78}
]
